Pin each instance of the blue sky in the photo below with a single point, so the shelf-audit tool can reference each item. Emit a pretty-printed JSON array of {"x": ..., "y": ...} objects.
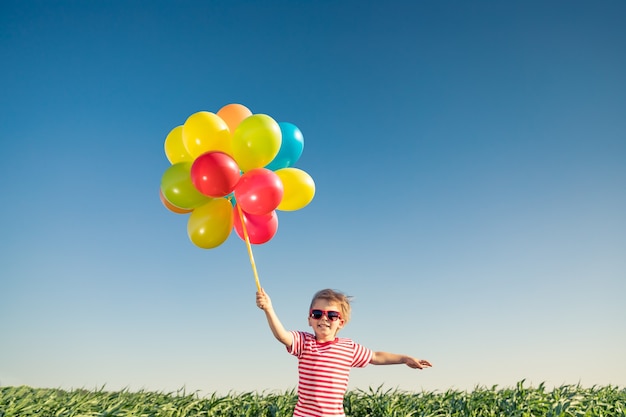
[{"x": 470, "y": 169}]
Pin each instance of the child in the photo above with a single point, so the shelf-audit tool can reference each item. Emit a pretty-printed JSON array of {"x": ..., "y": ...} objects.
[{"x": 324, "y": 360}]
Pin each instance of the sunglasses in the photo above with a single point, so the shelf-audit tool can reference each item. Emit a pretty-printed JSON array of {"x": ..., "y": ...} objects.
[{"x": 332, "y": 315}]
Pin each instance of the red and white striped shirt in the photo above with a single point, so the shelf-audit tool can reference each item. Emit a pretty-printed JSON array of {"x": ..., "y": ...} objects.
[{"x": 323, "y": 372}]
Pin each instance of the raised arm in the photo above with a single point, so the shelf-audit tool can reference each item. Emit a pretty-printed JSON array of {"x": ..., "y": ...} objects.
[
  {"x": 386, "y": 358},
  {"x": 264, "y": 302}
]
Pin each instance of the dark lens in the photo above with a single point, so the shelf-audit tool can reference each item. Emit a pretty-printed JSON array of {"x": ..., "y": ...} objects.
[
  {"x": 333, "y": 315},
  {"x": 317, "y": 314}
]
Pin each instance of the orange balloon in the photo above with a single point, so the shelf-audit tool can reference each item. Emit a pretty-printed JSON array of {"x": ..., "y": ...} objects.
[
  {"x": 233, "y": 114},
  {"x": 171, "y": 207}
]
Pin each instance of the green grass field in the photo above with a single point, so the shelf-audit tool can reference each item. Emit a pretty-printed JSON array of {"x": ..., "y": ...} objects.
[{"x": 567, "y": 400}]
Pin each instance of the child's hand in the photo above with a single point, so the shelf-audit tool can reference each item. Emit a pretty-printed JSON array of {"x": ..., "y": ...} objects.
[
  {"x": 417, "y": 363},
  {"x": 263, "y": 300}
]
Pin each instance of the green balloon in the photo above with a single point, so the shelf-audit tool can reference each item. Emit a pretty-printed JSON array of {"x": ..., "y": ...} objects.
[
  {"x": 256, "y": 141},
  {"x": 178, "y": 189}
]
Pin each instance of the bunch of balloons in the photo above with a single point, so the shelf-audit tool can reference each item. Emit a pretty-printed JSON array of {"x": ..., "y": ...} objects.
[{"x": 233, "y": 170}]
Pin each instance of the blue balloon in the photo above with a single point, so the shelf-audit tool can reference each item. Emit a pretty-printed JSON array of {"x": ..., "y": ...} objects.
[
  {"x": 291, "y": 147},
  {"x": 231, "y": 197}
]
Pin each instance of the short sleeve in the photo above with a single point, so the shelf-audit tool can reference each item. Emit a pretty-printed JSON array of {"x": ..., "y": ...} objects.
[
  {"x": 297, "y": 343},
  {"x": 362, "y": 356}
]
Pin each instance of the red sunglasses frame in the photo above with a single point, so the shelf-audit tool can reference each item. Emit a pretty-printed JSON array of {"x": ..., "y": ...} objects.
[{"x": 325, "y": 313}]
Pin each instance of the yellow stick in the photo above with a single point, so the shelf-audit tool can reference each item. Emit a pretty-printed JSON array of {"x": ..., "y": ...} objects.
[{"x": 245, "y": 235}]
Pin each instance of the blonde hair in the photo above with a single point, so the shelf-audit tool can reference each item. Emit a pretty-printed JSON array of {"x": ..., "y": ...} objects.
[{"x": 336, "y": 297}]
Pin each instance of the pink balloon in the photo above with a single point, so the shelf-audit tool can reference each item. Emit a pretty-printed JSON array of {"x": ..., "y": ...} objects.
[
  {"x": 259, "y": 191},
  {"x": 260, "y": 227},
  {"x": 215, "y": 174}
]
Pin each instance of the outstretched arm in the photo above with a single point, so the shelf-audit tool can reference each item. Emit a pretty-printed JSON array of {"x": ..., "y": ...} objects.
[
  {"x": 264, "y": 302},
  {"x": 385, "y": 358}
]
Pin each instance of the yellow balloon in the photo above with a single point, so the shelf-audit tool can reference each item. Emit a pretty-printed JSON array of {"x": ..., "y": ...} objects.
[
  {"x": 210, "y": 225},
  {"x": 175, "y": 148},
  {"x": 205, "y": 131},
  {"x": 299, "y": 188},
  {"x": 256, "y": 141}
]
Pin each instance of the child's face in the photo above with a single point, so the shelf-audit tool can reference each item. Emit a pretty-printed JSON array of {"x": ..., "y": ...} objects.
[{"x": 325, "y": 329}]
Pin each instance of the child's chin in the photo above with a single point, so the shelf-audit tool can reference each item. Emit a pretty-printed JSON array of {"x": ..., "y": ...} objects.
[{"x": 323, "y": 332}]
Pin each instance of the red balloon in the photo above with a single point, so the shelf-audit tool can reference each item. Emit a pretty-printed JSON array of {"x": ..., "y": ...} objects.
[
  {"x": 259, "y": 191},
  {"x": 215, "y": 174},
  {"x": 260, "y": 227}
]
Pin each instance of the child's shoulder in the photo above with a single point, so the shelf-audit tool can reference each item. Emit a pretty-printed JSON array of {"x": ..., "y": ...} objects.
[{"x": 303, "y": 335}]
